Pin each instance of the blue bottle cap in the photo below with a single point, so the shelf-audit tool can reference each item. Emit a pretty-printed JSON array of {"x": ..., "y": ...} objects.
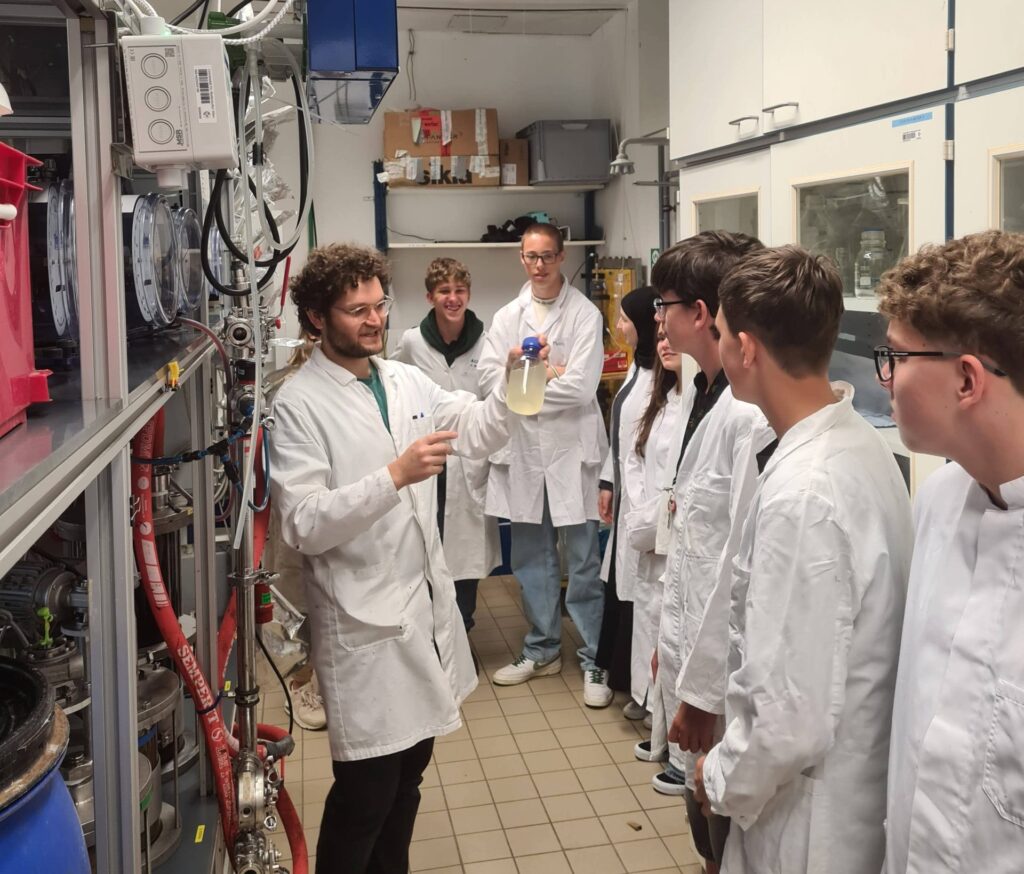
[{"x": 531, "y": 347}]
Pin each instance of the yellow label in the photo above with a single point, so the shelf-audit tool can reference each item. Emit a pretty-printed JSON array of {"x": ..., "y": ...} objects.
[
  {"x": 200, "y": 831},
  {"x": 227, "y": 685}
]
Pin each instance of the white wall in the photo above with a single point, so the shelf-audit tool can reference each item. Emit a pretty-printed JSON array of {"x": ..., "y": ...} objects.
[
  {"x": 628, "y": 212},
  {"x": 525, "y": 78}
]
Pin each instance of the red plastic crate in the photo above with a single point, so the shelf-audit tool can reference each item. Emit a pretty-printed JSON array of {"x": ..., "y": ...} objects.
[{"x": 20, "y": 383}]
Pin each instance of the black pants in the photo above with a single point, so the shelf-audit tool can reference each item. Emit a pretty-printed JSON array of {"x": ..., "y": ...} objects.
[
  {"x": 709, "y": 833},
  {"x": 370, "y": 811}
]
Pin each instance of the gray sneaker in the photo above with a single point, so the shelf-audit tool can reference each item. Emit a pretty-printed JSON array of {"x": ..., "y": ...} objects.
[{"x": 523, "y": 669}]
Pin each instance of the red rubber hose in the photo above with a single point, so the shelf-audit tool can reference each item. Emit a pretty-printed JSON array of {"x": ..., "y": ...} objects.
[{"x": 144, "y": 540}]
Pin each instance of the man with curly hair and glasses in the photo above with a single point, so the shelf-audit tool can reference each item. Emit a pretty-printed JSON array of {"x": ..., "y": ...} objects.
[
  {"x": 357, "y": 442},
  {"x": 954, "y": 365}
]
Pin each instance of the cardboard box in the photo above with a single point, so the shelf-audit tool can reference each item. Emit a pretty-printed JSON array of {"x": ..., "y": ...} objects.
[
  {"x": 515, "y": 162},
  {"x": 476, "y": 171},
  {"x": 435, "y": 133}
]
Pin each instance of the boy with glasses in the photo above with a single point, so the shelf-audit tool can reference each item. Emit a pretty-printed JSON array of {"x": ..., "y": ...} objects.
[
  {"x": 710, "y": 463},
  {"x": 817, "y": 591},
  {"x": 546, "y": 479},
  {"x": 954, "y": 366}
]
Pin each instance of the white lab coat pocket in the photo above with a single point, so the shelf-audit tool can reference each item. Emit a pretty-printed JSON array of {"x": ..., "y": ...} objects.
[
  {"x": 1003, "y": 779},
  {"x": 780, "y": 839},
  {"x": 706, "y": 522},
  {"x": 371, "y": 617}
]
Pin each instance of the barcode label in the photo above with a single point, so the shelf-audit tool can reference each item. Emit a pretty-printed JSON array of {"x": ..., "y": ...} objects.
[{"x": 204, "y": 89}]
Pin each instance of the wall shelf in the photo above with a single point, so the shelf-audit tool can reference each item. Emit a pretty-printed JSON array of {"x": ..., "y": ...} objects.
[
  {"x": 454, "y": 244},
  {"x": 403, "y": 190}
]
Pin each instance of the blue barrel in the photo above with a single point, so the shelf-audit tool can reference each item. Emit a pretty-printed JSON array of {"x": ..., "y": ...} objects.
[{"x": 39, "y": 828}]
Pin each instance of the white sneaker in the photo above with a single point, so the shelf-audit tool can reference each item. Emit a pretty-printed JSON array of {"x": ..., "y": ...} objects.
[
  {"x": 648, "y": 721},
  {"x": 644, "y": 752},
  {"x": 595, "y": 688},
  {"x": 633, "y": 711},
  {"x": 523, "y": 669},
  {"x": 308, "y": 705}
]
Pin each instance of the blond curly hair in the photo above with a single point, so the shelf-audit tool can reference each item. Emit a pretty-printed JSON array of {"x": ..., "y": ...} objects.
[
  {"x": 968, "y": 294},
  {"x": 442, "y": 269}
]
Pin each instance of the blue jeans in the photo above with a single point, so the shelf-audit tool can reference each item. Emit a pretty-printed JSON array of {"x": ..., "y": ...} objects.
[{"x": 535, "y": 564}]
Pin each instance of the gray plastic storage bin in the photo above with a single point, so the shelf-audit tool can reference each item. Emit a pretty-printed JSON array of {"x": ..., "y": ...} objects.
[{"x": 569, "y": 152}]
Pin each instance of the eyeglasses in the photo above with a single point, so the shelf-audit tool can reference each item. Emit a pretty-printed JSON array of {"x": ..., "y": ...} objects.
[
  {"x": 544, "y": 257},
  {"x": 659, "y": 306},
  {"x": 382, "y": 308},
  {"x": 886, "y": 357}
]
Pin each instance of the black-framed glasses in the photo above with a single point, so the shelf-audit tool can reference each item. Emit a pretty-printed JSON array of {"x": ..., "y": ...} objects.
[
  {"x": 886, "y": 358},
  {"x": 660, "y": 304},
  {"x": 544, "y": 257}
]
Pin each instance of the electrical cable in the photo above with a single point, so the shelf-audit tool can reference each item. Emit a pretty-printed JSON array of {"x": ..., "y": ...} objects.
[
  {"x": 144, "y": 9},
  {"x": 180, "y": 18},
  {"x": 280, "y": 679},
  {"x": 306, "y": 167},
  {"x": 305, "y": 148},
  {"x": 409, "y": 66}
]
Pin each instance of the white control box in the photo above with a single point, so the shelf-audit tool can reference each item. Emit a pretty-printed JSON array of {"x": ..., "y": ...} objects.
[{"x": 179, "y": 101}]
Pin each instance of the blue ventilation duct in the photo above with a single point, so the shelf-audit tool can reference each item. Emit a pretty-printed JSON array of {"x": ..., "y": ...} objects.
[{"x": 353, "y": 57}]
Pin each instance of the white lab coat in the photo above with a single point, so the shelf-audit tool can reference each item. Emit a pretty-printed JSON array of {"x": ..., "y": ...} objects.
[
  {"x": 648, "y": 480},
  {"x": 472, "y": 548},
  {"x": 819, "y": 585},
  {"x": 956, "y": 773},
  {"x": 720, "y": 474},
  {"x": 627, "y": 559},
  {"x": 389, "y": 647},
  {"x": 563, "y": 446}
]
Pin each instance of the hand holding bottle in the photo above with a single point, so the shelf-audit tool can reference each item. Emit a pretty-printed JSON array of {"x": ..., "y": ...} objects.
[{"x": 527, "y": 377}]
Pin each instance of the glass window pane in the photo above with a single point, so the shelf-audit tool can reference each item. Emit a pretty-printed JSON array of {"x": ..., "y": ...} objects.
[
  {"x": 1011, "y": 195},
  {"x": 737, "y": 214},
  {"x": 861, "y": 224}
]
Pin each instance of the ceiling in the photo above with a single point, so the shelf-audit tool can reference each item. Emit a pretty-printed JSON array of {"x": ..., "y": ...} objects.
[{"x": 528, "y": 17}]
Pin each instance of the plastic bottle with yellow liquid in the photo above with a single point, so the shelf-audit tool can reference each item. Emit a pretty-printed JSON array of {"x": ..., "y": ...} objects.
[{"x": 527, "y": 381}]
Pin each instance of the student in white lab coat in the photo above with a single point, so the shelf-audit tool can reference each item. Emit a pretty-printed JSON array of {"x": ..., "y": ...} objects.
[
  {"x": 356, "y": 444},
  {"x": 546, "y": 478},
  {"x": 637, "y": 328},
  {"x": 687, "y": 277},
  {"x": 649, "y": 471},
  {"x": 954, "y": 365},
  {"x": 818, "y": 589},
  {"x": 447, "y": 346}
]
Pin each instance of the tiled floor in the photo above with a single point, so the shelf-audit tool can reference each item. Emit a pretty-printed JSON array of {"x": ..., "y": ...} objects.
[{"x": 533, "y": 783}]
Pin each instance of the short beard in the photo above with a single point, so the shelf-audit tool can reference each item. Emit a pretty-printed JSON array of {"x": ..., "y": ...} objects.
[{"x": 345, "y": 349}]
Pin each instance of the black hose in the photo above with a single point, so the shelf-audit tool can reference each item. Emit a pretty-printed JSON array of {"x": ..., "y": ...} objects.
[
  {"x": 238, "y": 7},
  {"x": 279, "y": 255},
  {"x": 204, "y": 248},
  {"x": 280, "y": 679},
  {"x": 190, "y": 10}
]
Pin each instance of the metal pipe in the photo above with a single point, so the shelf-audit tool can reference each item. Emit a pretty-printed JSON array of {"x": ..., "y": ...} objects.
[{"x": 665, "y": 202}]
